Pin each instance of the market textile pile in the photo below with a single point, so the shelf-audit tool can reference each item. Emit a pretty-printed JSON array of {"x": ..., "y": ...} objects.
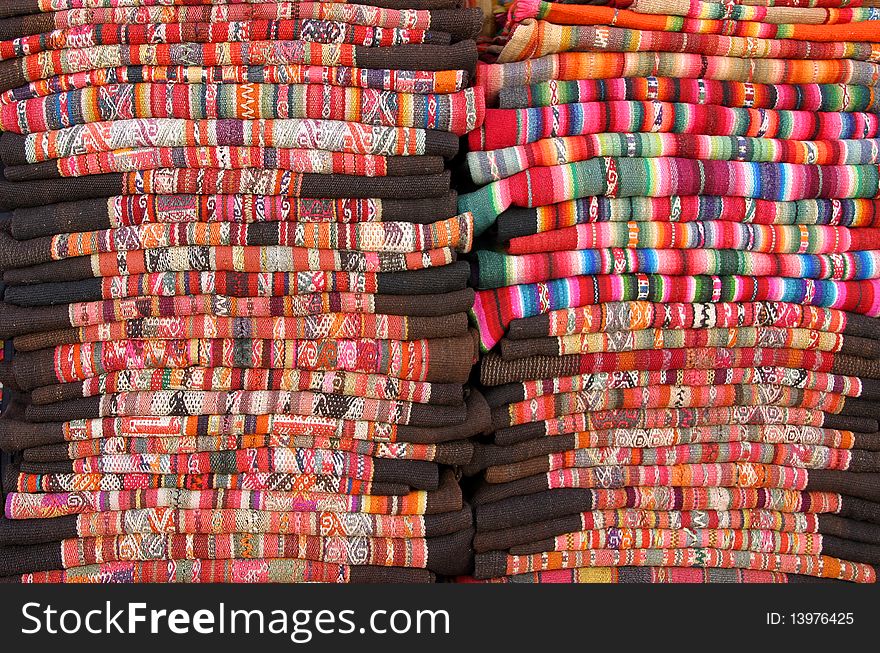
[
  {"x": 231, "y": 257},
  {"x": 678, "y": 294}
]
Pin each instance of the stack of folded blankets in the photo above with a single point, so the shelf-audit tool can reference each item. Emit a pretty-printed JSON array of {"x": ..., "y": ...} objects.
[
  {"x": 678, "y": 293},
  {"x": 231, "y": 257}
]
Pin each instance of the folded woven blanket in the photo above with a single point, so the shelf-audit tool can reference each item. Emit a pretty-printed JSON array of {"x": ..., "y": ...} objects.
[
  {"x": 776, "y": 239},
  {"x": 259, "y": 463},
  {"x": 859, "y": 444},
  {"x": 447, "y": 453},
  {"x": 734, "y": 338},
  {"x": 802, "y": 97},
  {"x": 456, "y": 112},
  {"x": 525, "y": 221},
  {"x": 848, "y": 386},
  {"x": 683, "y": 417},
  {"x": 635, "y": 177},
  {"x": 227, "y": 158},
  {"x": 458, "y": 56},
  {"x": 723, "y": 539},
  {"x": 314, "y": 134},
  {"x": 72, "y": 482},
  {"x": 569, "y": 66},
  {"x": 308, "y": 29},
  {"x": 386, "y": 14},
  {"x": 639, "y": 575},
  {"x": 324, "y": 326},
  {"x": 496, "y": 270},
  {"x": 372, "y": 386},
  {"x": 508, "y": 127},
  {"x": 443, "y": 554},
  {"x": 445, "y": 360},
  {"x": 809, "y": 457},
  {"x": 327, "y": 240},
  {"x": 495, "y": 370},
  {"x": 707, "y": 475},
  {"x": 401, "y": 81},
  {"x": 495, "y": 309},
  {"x": 249, "y": 402},
  {"x": 17, "y": 320},
  {"x": 536, "y": 38},
  {"x": 446, "y": 498},
  {"x": 854, "y": 25},
  {"x": 257, "y": 181},
  {"x": 134, "y": 210},
  {"x": 493, "y": 165},
  {"x": 16, "y": 435},
  {"x": 575, "y": 403},
  {"x": 24, "y": 7},
  {"x": 267, "y": 570},
  {"x": 610, "y": 317},
  {"x": 146, "y": 521},
  {"x": 445, "y": 278},
  {"x": 279, "y": 261},
  {"x": 676, "y": 519},
  {"x": 489, "y": 565},
  {"x": 814, "y": 12},
  {"x": 539, "y": 507}
]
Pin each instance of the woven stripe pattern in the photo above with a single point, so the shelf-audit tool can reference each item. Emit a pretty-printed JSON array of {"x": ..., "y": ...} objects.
[
  {"x": 233, "y": 294},
  {"x": 677, "y": 300}
]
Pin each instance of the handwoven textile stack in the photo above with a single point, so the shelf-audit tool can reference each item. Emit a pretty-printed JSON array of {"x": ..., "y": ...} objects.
[
  {"x": 679, "y": 295},
  {"x": 230, "y": 251}
]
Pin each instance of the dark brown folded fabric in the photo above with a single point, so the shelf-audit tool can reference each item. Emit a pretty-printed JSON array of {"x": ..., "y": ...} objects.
[
  {"x": 853, "y": 551},
  {"x": 860, "y": 485},
  {"x": 20, "y": 320},
  {"x": 496, "y": 540},
  {"x": 94, "y": 214},
  {"x": 849, "y": 529},
  {"x": 43, "y": 192},
  {"x": 444, "y": 279},
  {"x": 489, "y": 455}
]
